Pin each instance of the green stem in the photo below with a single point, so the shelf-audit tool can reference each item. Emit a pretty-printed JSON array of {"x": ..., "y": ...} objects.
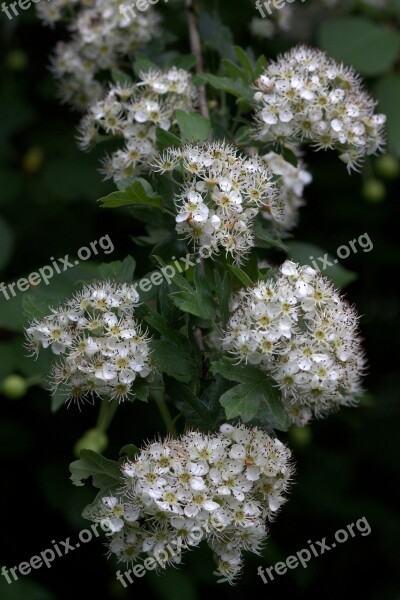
[
  {"x": 164, "y": 412},
  {"x": 108, "y": 408}
]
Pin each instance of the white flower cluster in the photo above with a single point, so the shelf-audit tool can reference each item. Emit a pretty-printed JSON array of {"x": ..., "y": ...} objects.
[
  {"x": 291, "y": 181},
  {"x": 101, "y": 36},
  {"x": 133, "y": 112},
  {"x": 222, "y": 192},
  {"x": 100, "y": 343},
  {"x": 307, "y": 96},
  {"x": 217, "y": 487},
  {"x": 300, "y": 331}
]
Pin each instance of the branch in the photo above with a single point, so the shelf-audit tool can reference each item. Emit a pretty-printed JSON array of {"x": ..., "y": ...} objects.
[{"x": 195, "y": 46}]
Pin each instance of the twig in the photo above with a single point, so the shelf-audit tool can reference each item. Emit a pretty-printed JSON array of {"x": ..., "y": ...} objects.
[{"x": 195, "y": 46}]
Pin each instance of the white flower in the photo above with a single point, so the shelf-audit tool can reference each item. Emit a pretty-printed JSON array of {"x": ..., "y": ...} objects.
[
  {"x": 222, "y": 194},
  {"x": 305, "y": 95},
  {"x": 102, "y": 350},
  {"x": 218, "y": 487},
  {"x": 300, "y": 331},
  {"x": 132, "y": 113}
]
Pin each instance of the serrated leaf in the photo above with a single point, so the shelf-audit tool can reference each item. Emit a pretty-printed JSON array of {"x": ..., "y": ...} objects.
[
  {"x": 121, "y": 271},
  {"x": 136, "y": 194},
  {"x": 105, "y": 473},
  {"x": 203, "y": 413},
  {"x": 166, "y": 139},
  {"x": 174, "y": 359},
  {"x": 130, "y": 451},
  {"x": 243, "y": 401},
  {"x": 240, "y": 373},
  {"x": 247, "y": 400},
  {"x": 193, "y": 126}
]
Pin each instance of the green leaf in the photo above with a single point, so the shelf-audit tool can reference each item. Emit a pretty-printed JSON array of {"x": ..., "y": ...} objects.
[
  {"x": 387, "y": 91},
  {"x": 119, "y": 271},
  {"x": 143, "y": 64},
  {"x": 166, "y": 139},
  {"x": 174, "y": 359},
  {"x": 193, "y": 126},
  {"x": 105, "y": 473},
  {"x": 130, "y": 451},
  {"x": 255, "y": 398},
  {"x": 139, "y": 193},
  {"x": 141, "y": 389},
  {"x": 245, "y": 61},
  {"x": 235, "y": 87},
  {"x": 243, "y": 401},
  {"x": 306, "y": 254},
  {"x": 246, "y": 400},
  {"x": 240, "y": 275},
  {"x": 216, "y": 35},
  {"x": 263, "y": 238},
  {"x": 203, "y": 413},
  {"x": 239, "y": 373},
  {"x": 119, "y": 76},
  {"x": 372, "y": 49}
]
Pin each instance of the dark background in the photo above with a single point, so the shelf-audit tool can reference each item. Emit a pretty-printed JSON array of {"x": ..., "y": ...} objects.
[{"x": 346, "y": 464}]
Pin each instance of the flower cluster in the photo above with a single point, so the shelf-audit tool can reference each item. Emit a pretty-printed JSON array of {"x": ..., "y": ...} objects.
[
  {"x": 291, "y": 182},
  {"x": 300, "y": 331},
  {"x": 306, "y": 96},
  {"x": 98, "y": 340},
  {"x": 133, "y": 112},
  {"x": 221, "y": 193},
  {"x": 216, "y": 487},
  {"x": 101, "y": 36}
]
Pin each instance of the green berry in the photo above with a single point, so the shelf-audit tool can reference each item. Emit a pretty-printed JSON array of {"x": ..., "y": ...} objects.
[
  {"x": 17, "y": 60},
  {"x": 300, "y": 436},
  {"x": 14, "y": 387},
  {"x": 387, "y": 167},
  {"x": 374, "y": 191}
]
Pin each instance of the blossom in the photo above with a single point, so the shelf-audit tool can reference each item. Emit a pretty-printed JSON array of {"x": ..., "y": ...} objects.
[
  {"x": 101, "y": 36},
  {"x": 218, "y": 487},
  {"x": 222, "y": 193},
  {"x": 132, "y": 113},
  {"x": 307, "y": 96},
  {"x": 300, "y": 331},
  {"x": 100, "y": 345}
]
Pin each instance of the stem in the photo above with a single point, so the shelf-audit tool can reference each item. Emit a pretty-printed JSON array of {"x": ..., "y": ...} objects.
[
  {"x": 195, "y": 47},
  {"x": 108, "y": 408},
  {"x": 164, "y": 412}
]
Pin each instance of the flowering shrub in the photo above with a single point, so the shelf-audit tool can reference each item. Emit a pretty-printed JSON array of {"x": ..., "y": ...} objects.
[{"x": 230, "y": 334}]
